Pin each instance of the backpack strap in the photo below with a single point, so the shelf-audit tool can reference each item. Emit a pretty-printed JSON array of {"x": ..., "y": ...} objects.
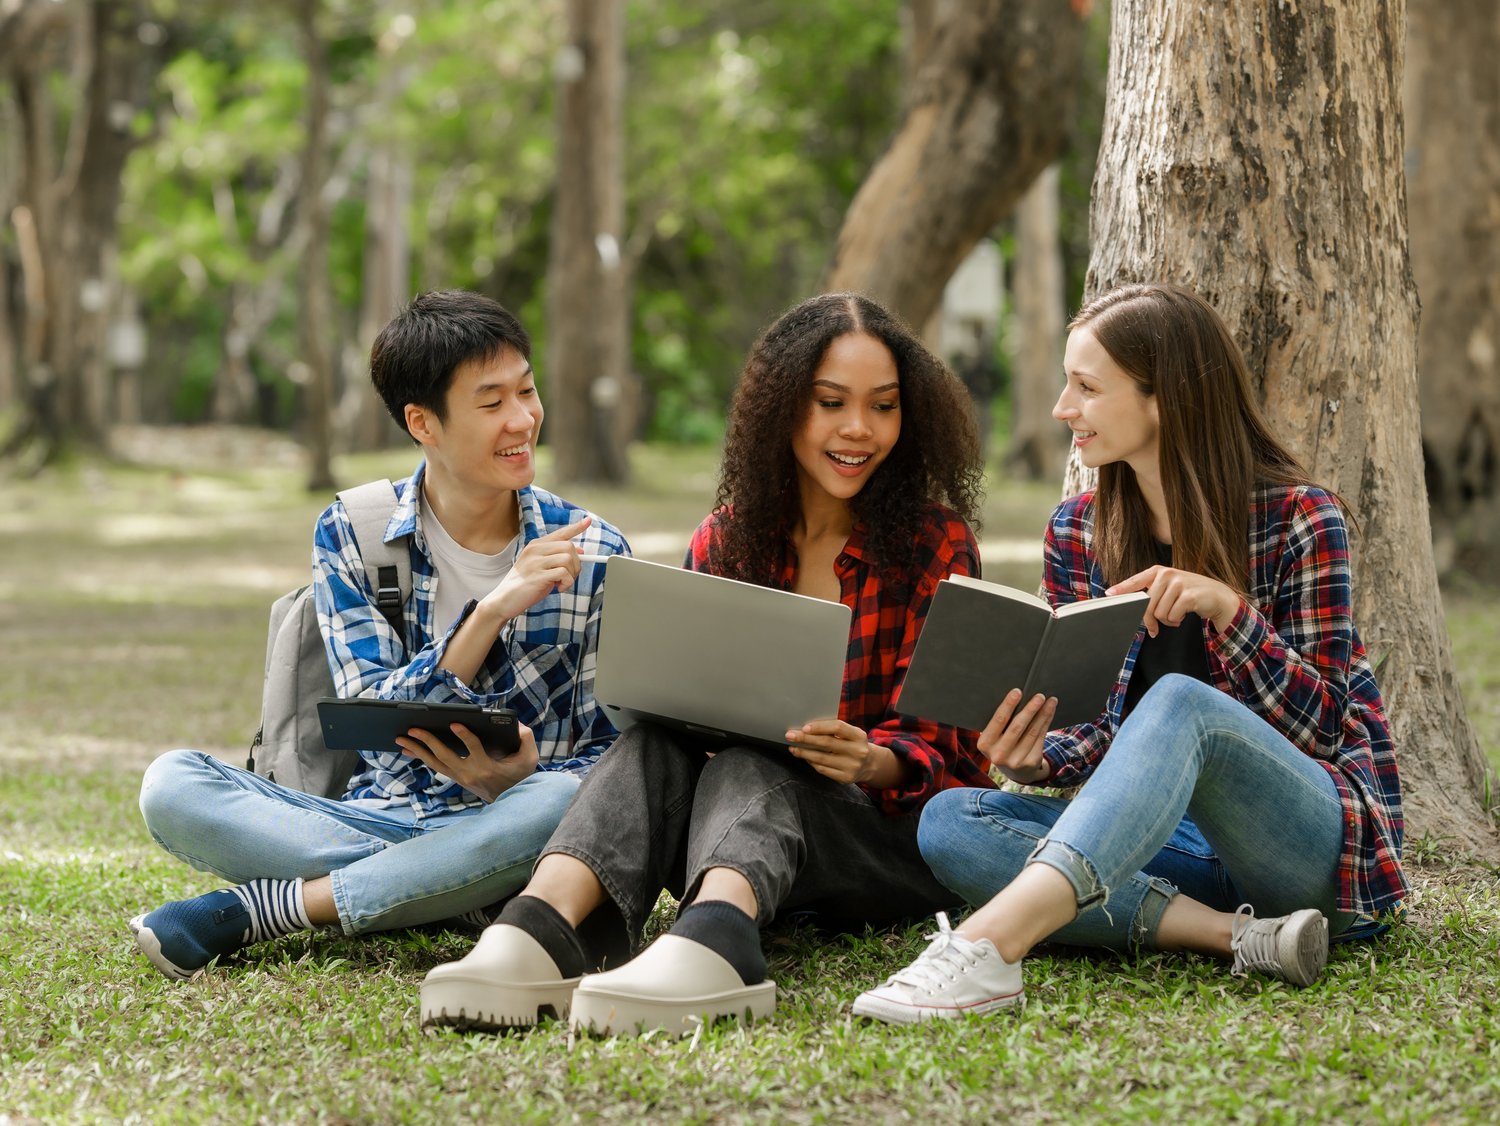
[{"x": 388, "y": 565}]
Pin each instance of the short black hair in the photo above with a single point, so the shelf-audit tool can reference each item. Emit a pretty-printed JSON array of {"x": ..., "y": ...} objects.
[{"x": 414, "y": 357}]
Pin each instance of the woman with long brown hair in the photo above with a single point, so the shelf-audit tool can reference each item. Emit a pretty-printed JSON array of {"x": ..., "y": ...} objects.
[
  {"x": 1243, "y": 763},
  {"x": 850, "y": 471}
]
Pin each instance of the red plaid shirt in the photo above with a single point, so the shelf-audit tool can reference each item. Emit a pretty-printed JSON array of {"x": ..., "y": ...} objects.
[
  {"x": 1291, "y": 655},
  {"x": 881, "y": 639}
]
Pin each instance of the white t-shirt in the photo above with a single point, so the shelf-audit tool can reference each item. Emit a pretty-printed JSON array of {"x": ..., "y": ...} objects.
[{"x": 459, "y": 574}]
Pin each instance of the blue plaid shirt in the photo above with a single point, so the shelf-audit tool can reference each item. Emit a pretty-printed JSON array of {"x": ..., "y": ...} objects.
[{"x": 542, "y": 665}]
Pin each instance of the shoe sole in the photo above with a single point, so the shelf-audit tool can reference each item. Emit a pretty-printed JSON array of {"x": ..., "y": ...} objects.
[
  {"x": 474, "y": 1004},
  {"x": 616, "y": 1013},
  {"x": 1302, "y": 946},
  {"x": 150, "y": 945},
  {"x": 891, "y": 1012}
]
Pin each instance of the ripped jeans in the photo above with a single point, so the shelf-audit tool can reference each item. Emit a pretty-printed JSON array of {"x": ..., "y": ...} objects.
[{"x": 1196, "y": 795}]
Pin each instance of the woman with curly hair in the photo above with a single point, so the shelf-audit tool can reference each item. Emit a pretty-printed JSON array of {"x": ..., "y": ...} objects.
[{"x": 850, "y": 469}]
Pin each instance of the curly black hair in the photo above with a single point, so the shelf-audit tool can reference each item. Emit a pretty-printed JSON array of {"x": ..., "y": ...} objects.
[{"x": 935, "y": 459}]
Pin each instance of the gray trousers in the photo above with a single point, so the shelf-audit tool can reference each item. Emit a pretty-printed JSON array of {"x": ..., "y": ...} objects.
[{"x": 658, "y": 812}]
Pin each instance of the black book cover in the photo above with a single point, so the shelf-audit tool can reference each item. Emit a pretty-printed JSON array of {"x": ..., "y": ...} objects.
[{"x": 982, "y": 639}]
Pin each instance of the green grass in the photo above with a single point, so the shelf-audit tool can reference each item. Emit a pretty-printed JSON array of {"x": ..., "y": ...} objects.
[{"x": 133, "y": 605}]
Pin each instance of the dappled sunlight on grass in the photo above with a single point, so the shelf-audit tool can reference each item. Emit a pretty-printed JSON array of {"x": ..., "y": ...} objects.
[
  {"x": 203, "y": 584},
  {"x": 32, "y": 746},
  {"x": 165, "y": 528},
  {"x": 192, "y": 583}
]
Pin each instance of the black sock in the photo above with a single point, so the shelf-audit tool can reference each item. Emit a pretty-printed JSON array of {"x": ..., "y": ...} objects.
[
  {"x": 728, "y": 932},
  {"x": 541, "y": 921}
]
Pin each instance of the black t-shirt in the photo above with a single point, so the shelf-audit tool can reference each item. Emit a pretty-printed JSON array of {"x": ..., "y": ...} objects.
[{"x": 1178, "y": 649}]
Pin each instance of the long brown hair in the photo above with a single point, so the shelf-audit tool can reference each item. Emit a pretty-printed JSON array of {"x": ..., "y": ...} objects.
[
  {"x": 936, "y": 457},
  {"x": 1214, "y": 444}
]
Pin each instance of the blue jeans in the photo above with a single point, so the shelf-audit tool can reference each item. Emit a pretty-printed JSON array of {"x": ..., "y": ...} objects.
[
  {"x": 1196, "y": 795},
  {"x": 388, "y": 868}
]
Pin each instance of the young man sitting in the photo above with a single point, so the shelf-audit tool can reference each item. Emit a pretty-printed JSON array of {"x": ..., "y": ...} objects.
[{"x": 504, "y": 612}]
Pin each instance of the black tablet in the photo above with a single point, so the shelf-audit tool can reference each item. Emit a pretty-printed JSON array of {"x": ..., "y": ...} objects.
[{"x": 372, "y": 725}]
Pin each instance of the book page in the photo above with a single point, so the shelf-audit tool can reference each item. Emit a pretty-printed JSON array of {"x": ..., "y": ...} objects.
[
  {"x": 1083, "y": 653},
  {"x": 1000, "y": 589},
  {"x": 1084, "y": 605}
]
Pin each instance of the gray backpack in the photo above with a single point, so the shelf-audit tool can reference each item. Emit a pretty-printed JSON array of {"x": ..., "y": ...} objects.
[{"x": 288, "y": 749}]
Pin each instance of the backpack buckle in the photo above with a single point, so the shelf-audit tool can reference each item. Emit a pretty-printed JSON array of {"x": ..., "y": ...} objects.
[{"x": 388, "y": 595}]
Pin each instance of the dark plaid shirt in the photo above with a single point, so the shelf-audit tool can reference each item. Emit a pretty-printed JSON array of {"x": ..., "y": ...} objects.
[
  {"x": 1291, "y": 655},
  {"x": 881, "y": 639}
]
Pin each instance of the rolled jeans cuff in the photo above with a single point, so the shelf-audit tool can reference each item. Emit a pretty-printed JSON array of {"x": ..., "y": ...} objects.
[{"x": 1145, "y": 900}]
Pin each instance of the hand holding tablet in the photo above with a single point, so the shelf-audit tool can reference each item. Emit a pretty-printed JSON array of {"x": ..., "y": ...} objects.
[{"x": 373, "y": 725}]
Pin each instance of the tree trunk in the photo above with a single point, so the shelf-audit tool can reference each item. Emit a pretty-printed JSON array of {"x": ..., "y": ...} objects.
[
  {"x": 387, "y": 258},
  {"x": 10, "y": 160},
  {"x": 235, "y": 391},
  {"x": 9, "y": 393},
  {"x": 982, "y": 123},
  {"x": 315, "y": 310},
  {"x": 387, "y": 285},
  {"x": 920, "y": 19},
  {"x": 1452, "y": 95},
  {"x": 588, "y": 326},
  {"x": 1254, "y": 152},
  {"x": 1038, "y": 445},
  {"x": 68, "y": 204}
]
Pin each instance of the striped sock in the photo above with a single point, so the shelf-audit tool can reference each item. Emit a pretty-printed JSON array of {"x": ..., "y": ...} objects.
[{"x": 275, "y": 908}]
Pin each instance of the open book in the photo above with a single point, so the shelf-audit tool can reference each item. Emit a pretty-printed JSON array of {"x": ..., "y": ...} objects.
[{"x": 982, "y": 639}]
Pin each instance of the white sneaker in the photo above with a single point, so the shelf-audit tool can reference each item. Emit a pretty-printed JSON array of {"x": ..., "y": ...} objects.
[
  {"x": 1292, "y": 947},
  {"x": 507, "y": 981},
  {"x": 676, "y": 984},
  {"x": 952, "y": 977}
]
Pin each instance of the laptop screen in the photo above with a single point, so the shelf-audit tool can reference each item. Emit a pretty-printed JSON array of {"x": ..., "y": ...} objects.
[{"x": 724, "y": 659}]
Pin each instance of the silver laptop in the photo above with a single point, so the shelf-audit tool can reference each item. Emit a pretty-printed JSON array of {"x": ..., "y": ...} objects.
[{"x": 729, "y": 661}]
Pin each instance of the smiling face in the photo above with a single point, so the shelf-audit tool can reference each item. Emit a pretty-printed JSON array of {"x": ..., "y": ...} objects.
[
  {"x": 853, "y": 421},
  {"x": 486, "y": 439},
  {"x": 1111, "y": 419}
]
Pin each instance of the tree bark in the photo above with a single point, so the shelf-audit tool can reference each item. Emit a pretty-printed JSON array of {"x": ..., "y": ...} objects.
[
  {"x": 589, "y": 384},
  {"x": 1038, "y": 445},
  {"x": 1452, "y": 96},
  {"x": 387, "y": 285},
  {"x": 983, "y": 121},
  {"x": 387, "y": 258},
  {"x": 1254, "y": 152},
  {"x": 315, "y": 310},
  {"x": 920, "y": 19},
  {"x": 69, "y": 196},
  {"x": 234, "y": 395},
  {"x": 10, "y": 160}
]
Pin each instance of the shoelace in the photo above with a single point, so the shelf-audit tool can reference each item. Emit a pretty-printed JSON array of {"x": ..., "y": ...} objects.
[
  {"x": 1253, "y": 941},
  {"x": 948, "y": 954}
]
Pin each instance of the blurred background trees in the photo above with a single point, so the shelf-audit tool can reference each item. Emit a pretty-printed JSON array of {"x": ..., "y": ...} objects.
[
  {"x": 187, "y": 135},
  {"x": 174, "y": 176}
]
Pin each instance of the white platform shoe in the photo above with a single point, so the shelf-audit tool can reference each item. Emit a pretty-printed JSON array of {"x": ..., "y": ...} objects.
[
  {"x": 507, "y": 981},
  {"x": 675, "y": 984}
]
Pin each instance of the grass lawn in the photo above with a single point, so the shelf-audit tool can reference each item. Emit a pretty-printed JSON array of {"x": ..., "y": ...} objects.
[{"x": 133, "y": 604}]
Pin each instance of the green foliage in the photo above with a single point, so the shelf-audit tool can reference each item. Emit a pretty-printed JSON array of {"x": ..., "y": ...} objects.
[
  {"x": 748, "y": 130},
  {"x": 739, "y": 197}
]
